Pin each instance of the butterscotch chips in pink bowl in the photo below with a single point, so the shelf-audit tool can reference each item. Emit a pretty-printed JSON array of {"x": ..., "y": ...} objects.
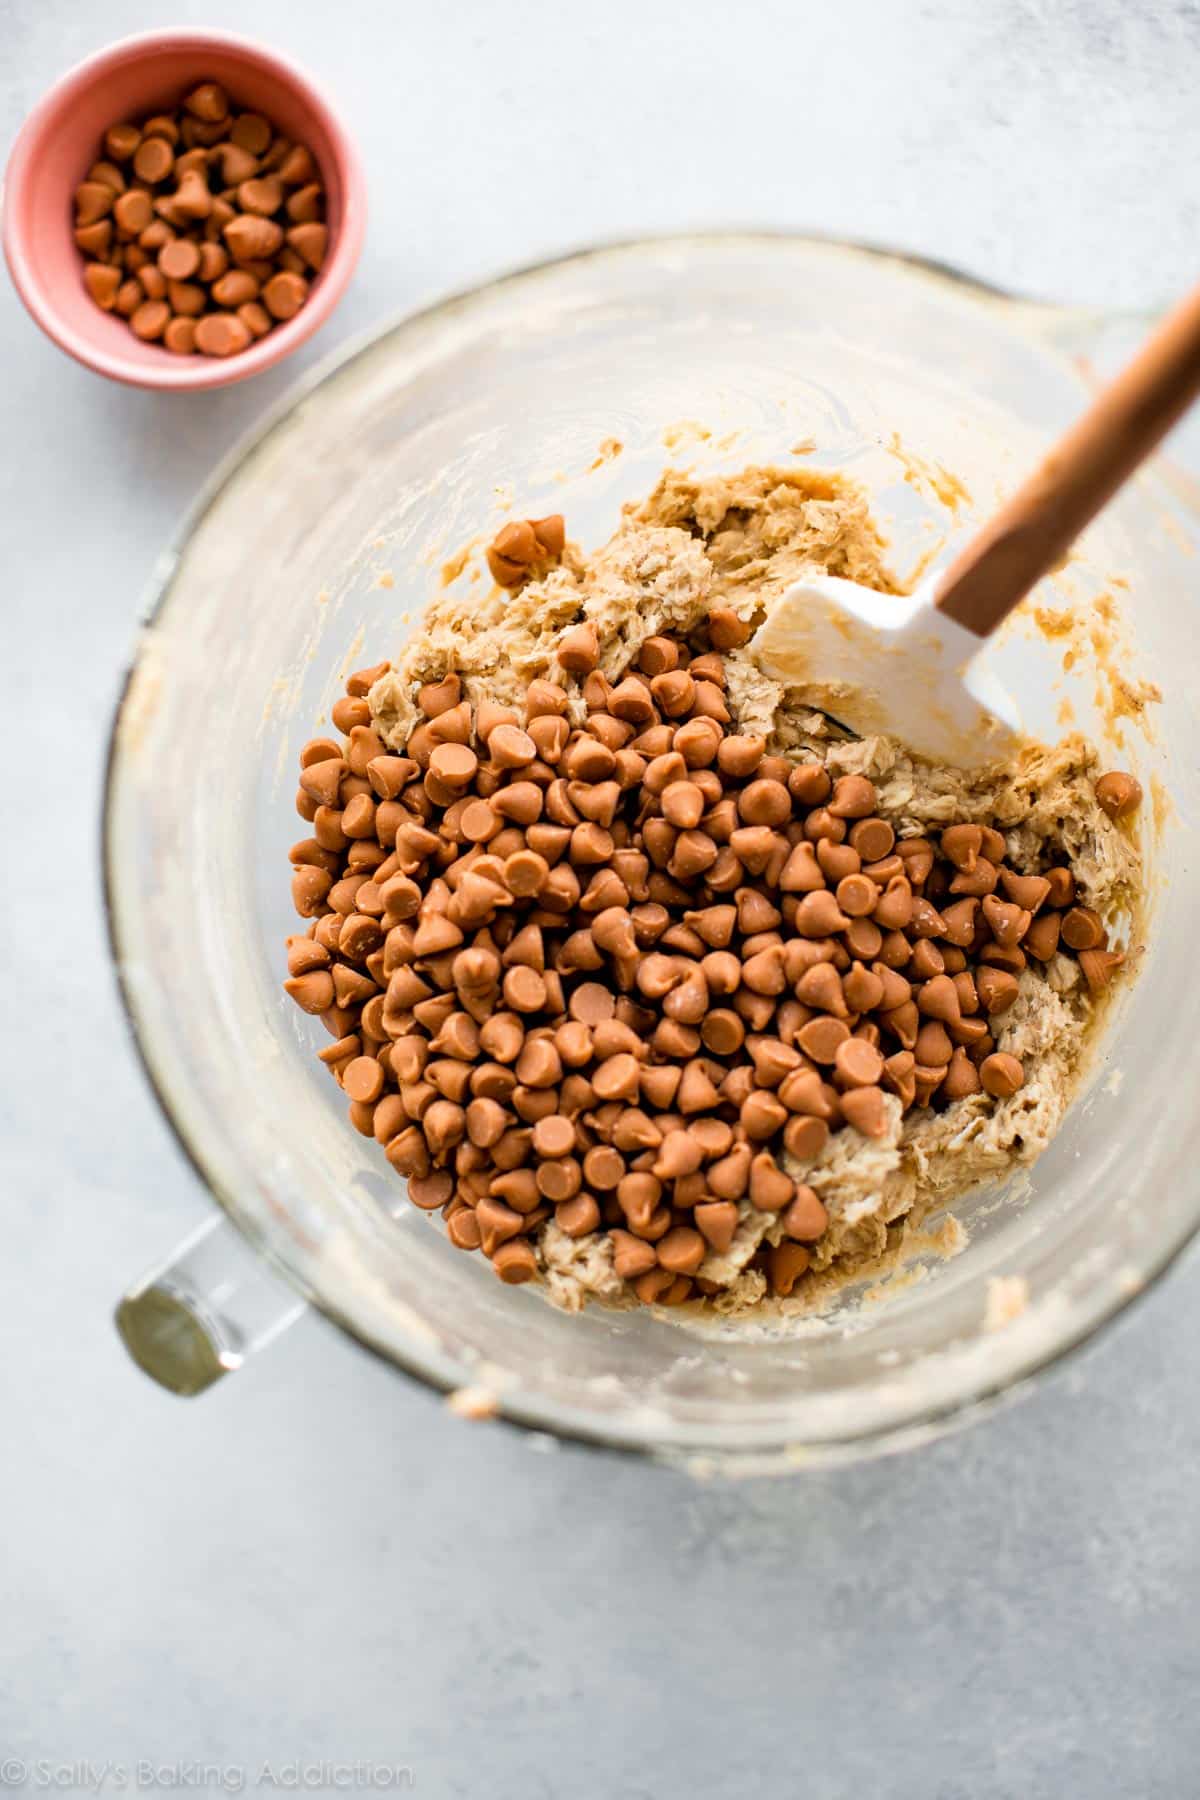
[
  {"x": 182, "y": 210},
  {"x": 201, "y": 226}
]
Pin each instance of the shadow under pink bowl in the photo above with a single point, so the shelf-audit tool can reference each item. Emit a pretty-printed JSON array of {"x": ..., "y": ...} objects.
[{"x": 61, "y": 139}]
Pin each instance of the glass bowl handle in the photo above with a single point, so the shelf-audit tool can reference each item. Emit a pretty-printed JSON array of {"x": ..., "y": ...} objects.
[{"x": 200, "y": 1314}]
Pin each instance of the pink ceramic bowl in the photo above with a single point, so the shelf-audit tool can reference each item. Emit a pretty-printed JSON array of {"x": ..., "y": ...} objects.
[{"x": 60, "y": 140}]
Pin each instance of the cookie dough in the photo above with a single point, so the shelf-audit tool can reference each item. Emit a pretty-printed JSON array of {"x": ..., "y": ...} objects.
[{"x": 738, "y": 541}]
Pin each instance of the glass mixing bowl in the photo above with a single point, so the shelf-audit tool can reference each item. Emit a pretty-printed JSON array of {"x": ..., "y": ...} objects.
[{"x": 568, "y": 388}]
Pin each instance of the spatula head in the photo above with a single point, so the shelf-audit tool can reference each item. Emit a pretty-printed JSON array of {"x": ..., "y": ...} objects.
[{"x": 890, "y": 664}]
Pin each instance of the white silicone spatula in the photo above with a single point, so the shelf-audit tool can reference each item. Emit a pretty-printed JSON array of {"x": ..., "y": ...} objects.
[{"x": 906, "y": 665}]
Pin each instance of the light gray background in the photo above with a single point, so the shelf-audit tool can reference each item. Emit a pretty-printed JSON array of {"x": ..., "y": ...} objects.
[{"x": 315, "y": 1560}]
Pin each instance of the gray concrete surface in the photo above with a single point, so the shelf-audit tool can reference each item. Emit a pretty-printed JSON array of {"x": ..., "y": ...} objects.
[{"x": 315, "y": 1562}]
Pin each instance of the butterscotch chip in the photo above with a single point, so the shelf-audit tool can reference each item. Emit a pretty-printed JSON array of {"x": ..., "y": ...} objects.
[
  {"x": 853, "y": 797},
  {"x": 553, "y": 1136},
  {"x": 933, "y": 1047},
  {"x": 962, "y": 845},
  {"x": 638, "y": 1194},
  {"x": 858, "y": 1063},
  {"x": 524, "y": 989},
  {"x": 578, "y": 649},
  {"x": 717, "y": 1221},
  {"x": 152, "y": 281},
  {"x": 764, "y": 973},
  {"x": 474, "y": 970},
  {"x": 765, "y": 802},
  {"x": 938, "y": 999},
  {"x": 486, "y": 1122},
  {"x": 805, "y": 1218},
  {"x": 511, "y": 748},
  {"x": 709, "y": 702},
  {"x": 150, "y": 320},
  {"x": 722, "y": 971},
  {"x": 120, "y": 141},
  {"x": 254, "y": 317},
  {"x": 894, "y": 909},
  {"x": 103, "y": 284},
  {"x": 838, "y": 861},
  {"x": 785, "y": 1264},
  {"x": 996, "y": 988},
  {"x": 862, "y": 989},
  {"x": 1041, "y": 940},
  {"x": 657, "y": 656},
  {"x": 251, "y": 132},
  {"x": 818, "y": 915},
  {"x": 312, "y": 991},
  {"x": 722, "y": 1031},
  {"x": 682, "y": 1250},
  {"x": 683, "y": 804},
  {"x": 251, "y": 238},
  {"x": 762, "y": 1115},
  {"x": 209, "y": 101},
  {"x": 857, "y": 895},
  {"x": 515, "y": 1262},
  {"x": 498, "y": 1223},
  {"x": 362, "y": 1079},
  {"x": 234, "y": 288},
  {"x": 709, "y": 667},
  {"x": 674, "y": 691},
  {"x": 284, "y": 294},
  {"x": 463, "y": 1230},
  {"x": 539, "y": 1064},
  {"x": 129, "y": 298},
  {"x": 603, "y": 1168},
  {"x": 455, "y": 764},
  {"x": 697, "y": 743},
  {"x": 656, "y": 1286},
  {"x": 179, "y": 259},
  {"x": 726, "y": 631},
  {"x": 1119, "y": 794},
  {"x": 872, "y": 838},
  {"x": 1098, "y": 968},
  {"x": 961, "y": 1078},
  {"x": 1082, "y": 929},
  {"x": 133, "y": 211},
  {"x": 770, "y": 1188},
  {"x": 512, "y": 553},
  {"x": 697, "y": 1091},
  {"x": 805, "y": 1137},
  {"x": 632, "y": 1257},
  {"x": 678, "y": 1154},
  {"x": 153, "y": 160},
  {"x": 577, "y": 1216},
  {"x": 617, "y": 1078},
  {"x": 261, "y": 194},
  {"x": 864, "y": 1109},
  {"x": 309, "y": 240},
  {"x": 821, "y": 1038},
  {"x": 925, "y": 961},
  {"x": 1007, "y": 922},
  {"x": 1001, "y": 1075},
  {"x": 221, "y": 334},
  {"x": 1062, "y": 887}
]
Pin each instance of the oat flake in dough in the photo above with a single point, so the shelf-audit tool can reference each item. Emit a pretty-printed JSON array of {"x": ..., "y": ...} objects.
[{"x": 738, "y": 541}]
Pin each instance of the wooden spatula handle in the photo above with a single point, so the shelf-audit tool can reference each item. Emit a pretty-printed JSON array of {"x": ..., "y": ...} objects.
[{"x": 1037, "y": 526}]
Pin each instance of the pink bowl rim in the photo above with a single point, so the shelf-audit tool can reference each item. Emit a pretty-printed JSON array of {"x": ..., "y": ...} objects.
[{"x": 198, "y": 372}]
